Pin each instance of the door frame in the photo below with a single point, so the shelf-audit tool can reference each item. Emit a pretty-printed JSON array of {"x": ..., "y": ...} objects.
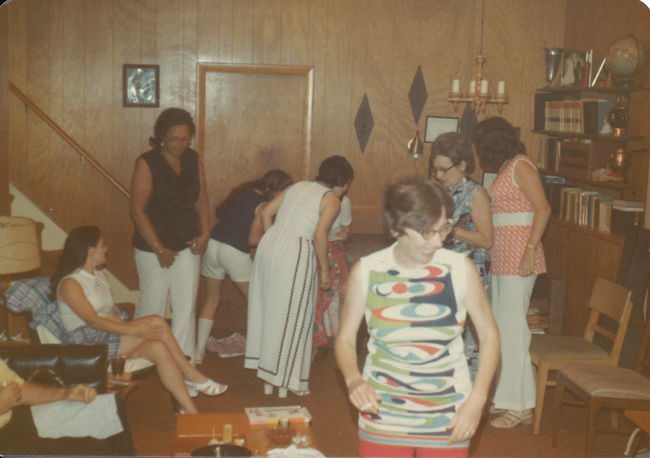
[{"x": 216, "y": 67}]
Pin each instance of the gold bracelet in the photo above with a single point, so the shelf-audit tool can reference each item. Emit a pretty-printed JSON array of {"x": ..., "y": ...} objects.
[{"x": 530, "y": 245}]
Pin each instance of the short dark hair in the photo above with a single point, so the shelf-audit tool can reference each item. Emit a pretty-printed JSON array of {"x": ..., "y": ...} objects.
[
  {"x": 456, "y": 147},
  {"x": 335, "y": 171},
  {"x": 415, "y": 203},
  {"x": 496, "y": 142},
  {"x": 166, "y": 120}
]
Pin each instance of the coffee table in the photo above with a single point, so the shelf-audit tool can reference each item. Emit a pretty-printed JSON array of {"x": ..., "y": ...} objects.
[{"x": 196, "y": 430}]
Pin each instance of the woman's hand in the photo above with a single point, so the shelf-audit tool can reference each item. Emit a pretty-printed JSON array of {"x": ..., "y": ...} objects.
[
  {"x": 464, "y": 424},
  {"x": 166, "y": 257},
  {"x": 148, "y": 328},
  {"x": 364, "y": 397},
  {"x": 325, "y": 280},
  {"x": 199, "y": 244},
  {"x": 527, "y": 263},
  {"x": 10, "y": 397},
  {"x": 81, "y": 393}
]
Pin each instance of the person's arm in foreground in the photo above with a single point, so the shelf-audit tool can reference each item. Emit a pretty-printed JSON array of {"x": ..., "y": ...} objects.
[
  {"x": 33, "y": 394},
  {"x": 464, "y": 424},
  {"x": 361, "y": 394},
  {"x": 268, "y": 212},
  {"x": 531, "y": 185}
]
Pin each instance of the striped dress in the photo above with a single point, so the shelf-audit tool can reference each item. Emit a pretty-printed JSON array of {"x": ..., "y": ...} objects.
[
  {"x": 282, "y": 295},
  {"x": 415, "y": 362}
]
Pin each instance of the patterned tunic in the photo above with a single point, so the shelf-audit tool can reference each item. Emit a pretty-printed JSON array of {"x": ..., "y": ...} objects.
[
  {"x": 512, "y": 215},
  {"x": 463, "y": 195},
  {"x": 415, "y": 362}
]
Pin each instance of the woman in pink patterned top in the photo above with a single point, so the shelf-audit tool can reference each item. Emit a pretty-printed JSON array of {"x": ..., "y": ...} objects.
[{"x": 520, "y": 213}]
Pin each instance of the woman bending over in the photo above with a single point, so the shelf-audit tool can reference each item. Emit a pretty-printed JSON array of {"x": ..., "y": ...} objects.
[
  {"x": 88, "y": 316},
  {"x": 229, "y": 250}
]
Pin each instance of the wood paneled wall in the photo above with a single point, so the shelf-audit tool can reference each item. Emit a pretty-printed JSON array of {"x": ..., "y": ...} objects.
[
  {"x": 67, "y": 55},
  {"x": 594, "y": 24}
]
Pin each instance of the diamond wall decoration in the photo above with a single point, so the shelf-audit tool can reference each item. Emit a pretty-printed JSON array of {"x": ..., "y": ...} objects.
[
  {"x": 418, "y": 94},
  {"x": 363, "y": 122}
]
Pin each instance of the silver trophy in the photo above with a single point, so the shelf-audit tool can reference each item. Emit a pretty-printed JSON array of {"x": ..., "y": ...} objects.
[{"x": 552, "y": 57}]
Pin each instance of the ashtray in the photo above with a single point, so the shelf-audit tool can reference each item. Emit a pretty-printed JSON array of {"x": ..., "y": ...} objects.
[
  {"x": 280, "y": 436},
  {"x": 221, "y": 450}
]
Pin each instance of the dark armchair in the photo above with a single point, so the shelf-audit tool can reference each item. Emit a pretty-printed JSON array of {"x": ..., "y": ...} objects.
[{"x": 74, "y": 364}]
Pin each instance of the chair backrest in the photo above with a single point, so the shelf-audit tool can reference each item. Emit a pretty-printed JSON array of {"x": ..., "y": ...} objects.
[{"x": 613, "y": 301}]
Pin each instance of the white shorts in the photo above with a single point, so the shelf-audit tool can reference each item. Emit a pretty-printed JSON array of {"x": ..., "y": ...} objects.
[{"x": 221, "y": 259}]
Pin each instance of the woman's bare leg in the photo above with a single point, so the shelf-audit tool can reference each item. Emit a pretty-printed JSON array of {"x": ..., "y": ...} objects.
[
  {"x": 190, "y": 372},
  {"x": 169, "y": 372},
  {"x": 212, "y": 298},
  {"x": 242, "y": 286}
]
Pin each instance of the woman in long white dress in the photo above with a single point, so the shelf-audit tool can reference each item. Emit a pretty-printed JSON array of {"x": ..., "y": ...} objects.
[{"x": 283, "y": 283}]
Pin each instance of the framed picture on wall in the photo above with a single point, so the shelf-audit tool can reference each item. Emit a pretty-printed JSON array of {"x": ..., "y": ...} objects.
[
  {"x": 140, "y": 85},
  {"x": 437, "y": 125}
]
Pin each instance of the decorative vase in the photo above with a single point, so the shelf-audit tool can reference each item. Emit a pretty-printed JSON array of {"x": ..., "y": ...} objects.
[
  {"x": 552, "y": 58},
  {"x": 618, "y": 118}
]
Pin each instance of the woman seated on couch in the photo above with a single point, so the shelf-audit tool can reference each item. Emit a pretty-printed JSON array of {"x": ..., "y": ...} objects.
[{"x": 86, "y": 307}]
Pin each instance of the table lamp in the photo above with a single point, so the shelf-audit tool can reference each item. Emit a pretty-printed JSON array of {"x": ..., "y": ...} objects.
[{"x": 19, "y": 252}]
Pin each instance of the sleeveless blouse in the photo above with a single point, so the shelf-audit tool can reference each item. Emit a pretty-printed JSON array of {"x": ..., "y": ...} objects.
[
  {"x": 171, "y": 203},
  {"x": 98, "y": 293},
  {"x": 415, "y": 362},
  {"x": 463, "y": 196},
  {"x": 512, "y": 216}
]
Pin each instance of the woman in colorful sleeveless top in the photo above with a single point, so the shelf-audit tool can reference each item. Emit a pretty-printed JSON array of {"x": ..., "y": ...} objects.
[
  {"x": 450, "y": 163},
  {"x": 520, "y": 213},
  {"x": 415, "y": 396}
]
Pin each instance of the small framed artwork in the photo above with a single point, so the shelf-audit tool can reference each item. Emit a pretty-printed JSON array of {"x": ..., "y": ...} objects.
[
  {"x": 437, "y": 125},
  {"x": 140, "y": 85},
  {"x": 488, "y": 179},
  {"x": 575, "y": 69}
]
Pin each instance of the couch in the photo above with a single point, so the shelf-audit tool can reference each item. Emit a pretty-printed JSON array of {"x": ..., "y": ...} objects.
[{"x": 74, "y": 364}]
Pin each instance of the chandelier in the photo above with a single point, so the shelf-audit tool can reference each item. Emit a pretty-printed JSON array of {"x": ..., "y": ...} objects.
[{"x": 478, "y": 93}]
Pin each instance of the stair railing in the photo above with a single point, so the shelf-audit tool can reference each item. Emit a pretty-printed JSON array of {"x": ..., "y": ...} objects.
[{"x": 68, "y": 139}]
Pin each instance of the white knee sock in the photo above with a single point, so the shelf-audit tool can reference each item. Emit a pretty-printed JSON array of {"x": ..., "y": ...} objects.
[{"x": 203, "y": 332}]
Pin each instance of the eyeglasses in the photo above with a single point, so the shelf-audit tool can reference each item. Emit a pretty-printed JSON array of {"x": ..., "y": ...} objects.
[
  {"x": 435, "y": 171},
  {"x": 442, "y": 232}
]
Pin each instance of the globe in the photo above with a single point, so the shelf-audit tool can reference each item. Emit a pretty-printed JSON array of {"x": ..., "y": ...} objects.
[{"x": 626, "y": 57}]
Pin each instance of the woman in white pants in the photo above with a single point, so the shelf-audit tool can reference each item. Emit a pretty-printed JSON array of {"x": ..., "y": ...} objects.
[{"x": 169, "y": 206}]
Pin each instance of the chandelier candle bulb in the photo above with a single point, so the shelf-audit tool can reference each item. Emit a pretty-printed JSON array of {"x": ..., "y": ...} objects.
[
  {"x": 484, "y": 87},
  {"x": 472, "y": 87},
  {"x": 501, "y": 88},
  {"x": 455, "y": 86}
]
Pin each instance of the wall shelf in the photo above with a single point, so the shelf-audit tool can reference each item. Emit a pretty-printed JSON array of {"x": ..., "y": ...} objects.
[{"x": 610, "y": 138}]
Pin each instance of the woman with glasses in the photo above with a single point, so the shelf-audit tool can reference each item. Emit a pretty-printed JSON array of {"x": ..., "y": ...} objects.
[
  {"x": 520, "y": 212},
  {"x": 414, "y": 395},
  {"x": 450, "y": 163},
  {"x": 169, "y": 206}
]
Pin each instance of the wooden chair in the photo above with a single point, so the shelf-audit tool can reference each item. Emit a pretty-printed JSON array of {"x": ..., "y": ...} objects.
[
  {"x": 606, "y": 387},
  {"x": 549, "y": 352}
]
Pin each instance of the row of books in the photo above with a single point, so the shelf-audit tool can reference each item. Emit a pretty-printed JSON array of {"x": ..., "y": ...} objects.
[
  {"x": 578, "y": 116},
  {"x": 598, "y": 211}
]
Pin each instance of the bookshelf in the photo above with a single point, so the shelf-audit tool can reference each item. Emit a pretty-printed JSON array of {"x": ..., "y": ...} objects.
[{"x": 576, "y": 253}]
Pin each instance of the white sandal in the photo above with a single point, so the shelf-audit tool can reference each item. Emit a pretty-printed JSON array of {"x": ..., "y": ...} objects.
[{"x": 209, "y": 388}]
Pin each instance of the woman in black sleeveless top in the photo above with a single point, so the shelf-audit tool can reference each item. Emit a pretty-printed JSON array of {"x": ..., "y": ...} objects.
[{"x": 169, "y": 206}]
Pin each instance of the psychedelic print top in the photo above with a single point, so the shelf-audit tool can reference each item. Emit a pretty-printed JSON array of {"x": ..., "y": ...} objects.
[
  {"x": 415, "y": 353},
  {"x": 463, "y": 195}
]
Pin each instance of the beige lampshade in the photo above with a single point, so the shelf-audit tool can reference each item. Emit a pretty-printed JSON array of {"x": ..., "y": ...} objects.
[{"x": 19, "y": 248}]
